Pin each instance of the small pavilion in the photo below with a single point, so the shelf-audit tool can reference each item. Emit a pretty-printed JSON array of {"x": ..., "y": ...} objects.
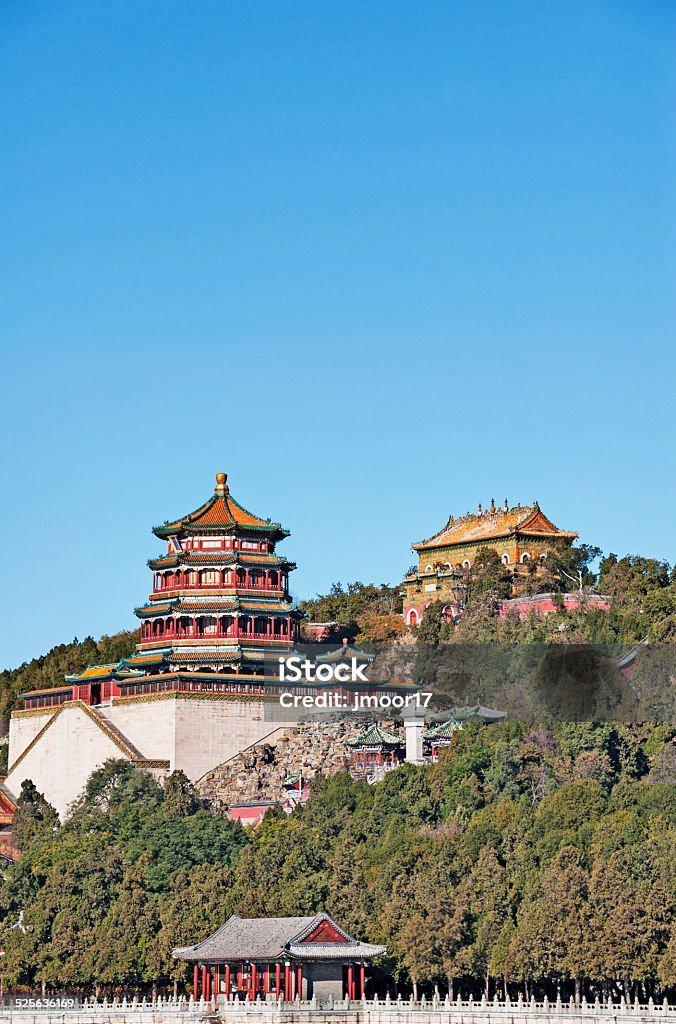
[
  {"x": 374, "y": 752},
  {"x": 438, "y": 737},
  {"x": 279, "y": 957}
]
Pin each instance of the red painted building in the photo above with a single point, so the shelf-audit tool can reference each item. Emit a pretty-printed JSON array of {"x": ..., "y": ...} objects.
[
  {"x": 219, "y": 607},
  {"x": 280, "y": 957},
  {"x": 545, "y": 604}
]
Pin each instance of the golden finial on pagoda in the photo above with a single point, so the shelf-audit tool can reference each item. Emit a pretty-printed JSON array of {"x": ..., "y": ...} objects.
[{"x": 221, "y": 483}]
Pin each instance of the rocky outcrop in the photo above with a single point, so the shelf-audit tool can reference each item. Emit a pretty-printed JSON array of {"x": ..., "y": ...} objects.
[{"x": 259, "y": 772}]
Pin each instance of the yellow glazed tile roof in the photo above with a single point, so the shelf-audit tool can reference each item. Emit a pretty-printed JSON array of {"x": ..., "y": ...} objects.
[{"x": 492, "y": 524}]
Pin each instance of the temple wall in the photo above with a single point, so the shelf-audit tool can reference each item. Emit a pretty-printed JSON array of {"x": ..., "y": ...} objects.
[
  {"x": 209, "y": 732},
  {"x": 23, "y": 728},
  {"x": 150, "y": 726},
  {"x": 323, "y": 981},
  {"x": 194, "y": 734},
  {"x": 63, "y": 758}
]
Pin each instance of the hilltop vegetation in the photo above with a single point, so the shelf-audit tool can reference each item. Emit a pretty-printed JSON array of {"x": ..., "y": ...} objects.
[
  {"x": 538, "y": 859},
  {"x": 642, "y": 594},
  {"x": 65, "y": 659}
]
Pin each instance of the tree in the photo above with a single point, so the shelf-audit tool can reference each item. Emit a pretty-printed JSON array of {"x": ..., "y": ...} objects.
[
  {"x": 487, "y": 581},
  {"x": 34, "y": 819},
  {"x": 666, "y": 969},
  {"x": 551, "y": 937},
  {"x": 630, "y": 914},
  {"x": 488, "y": 912}
]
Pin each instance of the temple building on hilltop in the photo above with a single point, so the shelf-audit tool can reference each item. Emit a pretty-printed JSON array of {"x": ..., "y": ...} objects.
[
  {"x": 193, "y": 693},
  {"x": 279, "y": 957},
  {"x": 213, "y": 630},
  {"x": 519, "y": 536}
]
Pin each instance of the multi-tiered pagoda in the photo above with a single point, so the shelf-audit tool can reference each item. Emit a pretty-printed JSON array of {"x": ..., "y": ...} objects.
[
  {"x": 220, "y": 597},
  {"x": 220, "y": 607},
  {"x": 196, "y": 691}
]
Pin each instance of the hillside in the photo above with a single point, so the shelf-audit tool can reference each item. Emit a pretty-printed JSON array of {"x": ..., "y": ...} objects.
[
  {"x": 64, "y": 659},
  {"x": 478, "y": 873}
]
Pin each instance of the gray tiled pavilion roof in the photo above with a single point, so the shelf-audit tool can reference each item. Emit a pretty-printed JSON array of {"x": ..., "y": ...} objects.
[{"x": 267, "y": 938}]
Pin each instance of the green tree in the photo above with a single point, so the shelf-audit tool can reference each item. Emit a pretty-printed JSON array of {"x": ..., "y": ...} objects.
[{"x": 34, "y": 819}]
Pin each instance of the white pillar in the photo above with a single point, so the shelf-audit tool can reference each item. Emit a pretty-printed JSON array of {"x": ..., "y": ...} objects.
[{"x": 413, "y": 727}]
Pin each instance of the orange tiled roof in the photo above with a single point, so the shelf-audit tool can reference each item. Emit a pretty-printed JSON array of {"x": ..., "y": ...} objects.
[
  {"x": 221, "y": 510},
  {"x": 492, "y": 524},
  {"x": 94, "y": 672}
]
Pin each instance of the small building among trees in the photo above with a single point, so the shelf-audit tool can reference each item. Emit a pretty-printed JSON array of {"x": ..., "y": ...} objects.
[{"x": 280, "y": 957}]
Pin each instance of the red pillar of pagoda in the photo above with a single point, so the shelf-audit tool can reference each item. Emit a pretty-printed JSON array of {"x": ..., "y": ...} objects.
[
  {"x": 362, "y": 978},
  {"x": 205, "y": 983},
  {"x": 254, "y": 979},
  {"x": 287, "y": 981},
  {"x": 299, "y": 982},
  {"x": 196, "y": 982},
  {"x": 350, "y": 982},
  {"x": 227, "y": 981},
  {"x": 278, "y": 983}
]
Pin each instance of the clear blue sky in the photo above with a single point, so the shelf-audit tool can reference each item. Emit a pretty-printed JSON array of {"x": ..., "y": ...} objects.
[{"x": 377, "y": 261}]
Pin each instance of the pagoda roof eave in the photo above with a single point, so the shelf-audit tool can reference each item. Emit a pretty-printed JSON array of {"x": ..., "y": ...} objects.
[
  {"x": 272, "y": 938},
  {"x": 217, "y": 606},
  {"x": 375, "y": 736},
  {"x": 347, "y": 652},
  {"x": 220, "y": 514},
  {"x": 275, "y": 530},
  {"x": 217, "y": 558}
]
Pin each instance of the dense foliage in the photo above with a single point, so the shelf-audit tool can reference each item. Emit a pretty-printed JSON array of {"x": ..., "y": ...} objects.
[
  {"x": 536, "y": 859},
  {"x": 642, "y": 594},
  {"x": 136, "y": 870},
  {"x": 366, "y": 612},
  {"x": 65, "y": 659}
]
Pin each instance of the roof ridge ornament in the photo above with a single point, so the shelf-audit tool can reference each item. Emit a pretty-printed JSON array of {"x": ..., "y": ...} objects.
[{"x": 221, "y": 484}]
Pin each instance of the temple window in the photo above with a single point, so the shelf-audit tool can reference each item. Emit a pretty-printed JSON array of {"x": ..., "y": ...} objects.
[
  {"x": 525, "y": 557},
  {"x": 505, "y": 559},
  {"x": 209, "y": 625},
  {"x": 249, "y": 545},
  {"x": 412, "y": 617},
  {"x": 467, "y": 564},
  {"x": 274, "y": 579},
  {"x": 210, "y": 576}
]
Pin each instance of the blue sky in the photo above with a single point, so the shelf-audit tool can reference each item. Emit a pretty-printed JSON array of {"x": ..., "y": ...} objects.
[{"x": 377, "y": 261}]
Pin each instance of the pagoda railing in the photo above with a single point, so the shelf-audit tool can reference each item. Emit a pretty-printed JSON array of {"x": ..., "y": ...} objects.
[{"x": 219, "y": 634}]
